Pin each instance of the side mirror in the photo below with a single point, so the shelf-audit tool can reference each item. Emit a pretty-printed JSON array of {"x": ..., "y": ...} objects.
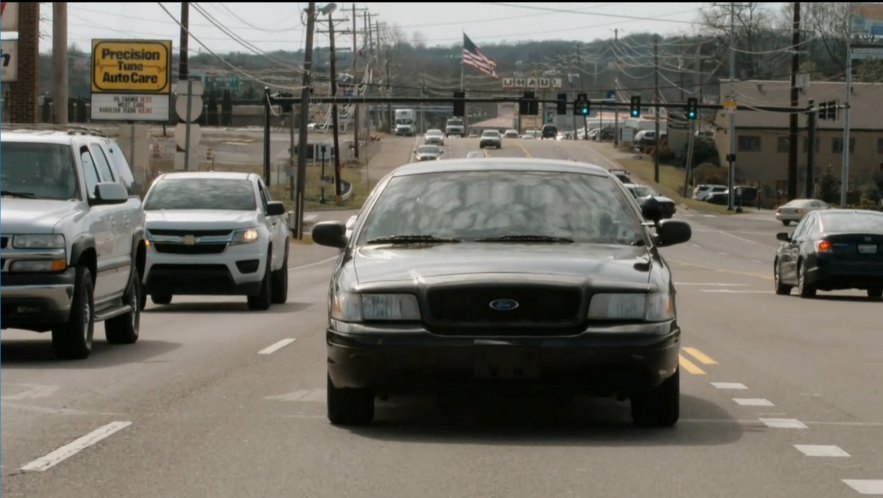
[
  {"x": 110, "y": 193},
  {"x": 275, "y": 208},
  {"x": 330, "y": 233},
  {"x": 651, "y": 210},
  {"x": 783, "y": 236},
  {"x": 671, "y": 232}
]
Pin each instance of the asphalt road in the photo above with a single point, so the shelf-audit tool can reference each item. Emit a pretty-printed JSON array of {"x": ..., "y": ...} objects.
[{"x": 781, "y": 397}]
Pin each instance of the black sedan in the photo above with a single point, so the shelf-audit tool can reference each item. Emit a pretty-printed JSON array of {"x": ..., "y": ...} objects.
[
  {"x": 501, "y": 272},
  {"x": 643, "y": 192},
  {"x": 829, "y": 250}
]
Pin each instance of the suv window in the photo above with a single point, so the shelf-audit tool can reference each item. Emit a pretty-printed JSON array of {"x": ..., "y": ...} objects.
[
  {"x": 121, "y": 169},
  {"x": 101, "y": 163},
  {"x": 89, "y": 172},
  {"x": 38, "y": 170}
]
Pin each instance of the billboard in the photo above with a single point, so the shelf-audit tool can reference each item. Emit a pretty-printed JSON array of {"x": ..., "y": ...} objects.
[
  {"x": 131, "y": 80},
  {"x": 867, "y": 21}
]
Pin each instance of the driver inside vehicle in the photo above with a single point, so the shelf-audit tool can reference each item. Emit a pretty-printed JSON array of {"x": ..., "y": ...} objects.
[{"x": 55, "y": 177}]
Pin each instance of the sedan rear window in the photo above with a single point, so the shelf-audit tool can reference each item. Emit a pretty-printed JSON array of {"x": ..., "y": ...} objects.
[
  {"x": 202, "y": 193},
  {"x": 852, "y": 222},
  {"x": 492, "y": 204}
]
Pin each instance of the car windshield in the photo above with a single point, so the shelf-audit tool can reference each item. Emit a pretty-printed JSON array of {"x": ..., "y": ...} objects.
[
  {"x": 435, "y": 132},
  {"x": 491, "y": 204},
  {"x": 38, "y": 171},
  {"x": 428, "y": 149},
  {"x": 490, "y": 134},
  {"x": 848, "y": 221},
  {"x": 201, "y": 193}
]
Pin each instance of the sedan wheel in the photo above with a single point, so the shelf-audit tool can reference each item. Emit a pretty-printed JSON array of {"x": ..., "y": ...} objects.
[
  {"x": 781, "y": 288},
  {"x": 803, "y": 288}
]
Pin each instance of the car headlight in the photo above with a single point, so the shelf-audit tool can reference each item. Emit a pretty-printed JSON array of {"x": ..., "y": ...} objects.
[
  {"x": 354, "y": 307},
  {"x": 651, "y": 307},
  {"x": 47, "y": 241},
  {"x": 246, "y": 236}
]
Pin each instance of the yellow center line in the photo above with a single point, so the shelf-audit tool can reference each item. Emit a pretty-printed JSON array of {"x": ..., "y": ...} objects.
[
  {"x": 699, "y": 355},
  {"x": 524, "y": 149},
  {"x": 691, "y": 367}
]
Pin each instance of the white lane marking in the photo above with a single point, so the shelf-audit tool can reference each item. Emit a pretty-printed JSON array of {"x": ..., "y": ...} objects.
[
  {"x": 697, "y": 246},
  {"x": 821, "y": 450},
  {"x": 729, "y": 385},
  {"x": 32, "y": 391},
  {"x": 753, "y": 402},
  {"x": 69, "y": 450},
  {"x": 53, "y": 411},
  {"x": 317, "y": 263},
  {"x": 866, "y": 486},
  {"x": 783, "y": 423},
  {"x": 722, "y": 253},
  {"x": 711, "y": 284},
  {"x": 276, "y": 347},
  {"x": 736, "y": 291},
  {"x": 740, "y": 238},
  {"x": 709, "y": 215},
  {"x": 312, "y": 395}
]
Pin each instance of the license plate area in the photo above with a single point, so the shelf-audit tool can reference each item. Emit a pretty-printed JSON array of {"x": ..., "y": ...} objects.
[
  {"x": 505, "y": 364},
  {"x": 867, "y": 248}
]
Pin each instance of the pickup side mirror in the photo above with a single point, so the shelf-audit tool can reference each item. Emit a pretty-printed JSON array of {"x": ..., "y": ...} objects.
[
  {"x": 110, "y": 193},
  {"x": 671, "y": 232},
  {"x": 783, "y": 236}
]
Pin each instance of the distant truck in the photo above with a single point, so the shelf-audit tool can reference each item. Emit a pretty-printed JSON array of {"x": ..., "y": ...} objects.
[
  {"x": 454, "y": 126},
  {"x": 405, "y": 122}
]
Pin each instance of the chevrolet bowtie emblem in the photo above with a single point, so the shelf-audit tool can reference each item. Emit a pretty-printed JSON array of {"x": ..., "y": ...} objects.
[{"x": 189, "y": 240}]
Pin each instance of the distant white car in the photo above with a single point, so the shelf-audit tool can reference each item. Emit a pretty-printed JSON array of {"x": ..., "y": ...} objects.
[
  {"x": 490, "y": 138},
  {"x": 510, "y": 134},
  {"x": 797, "y": 209},
  {"x": 434, "y": 137},
  {"x": 213, "y": 233}
]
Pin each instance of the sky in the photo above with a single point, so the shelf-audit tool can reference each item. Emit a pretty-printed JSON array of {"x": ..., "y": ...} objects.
[{"x": 277, "y": 26}]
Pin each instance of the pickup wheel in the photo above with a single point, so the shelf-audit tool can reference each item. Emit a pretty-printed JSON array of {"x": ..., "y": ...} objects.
[
  {"x": 124, "y": 329},
  {"x": 279, "y": 284},
  {"x": 262, "y": 300},
  {"x": 660, "y": 406},
  {"x": 158, "y": 298},
  {"x": 73, "y": 340}
]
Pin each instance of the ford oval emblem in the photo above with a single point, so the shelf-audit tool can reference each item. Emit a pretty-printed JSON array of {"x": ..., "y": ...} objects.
[{"x": 503, "y": 304}]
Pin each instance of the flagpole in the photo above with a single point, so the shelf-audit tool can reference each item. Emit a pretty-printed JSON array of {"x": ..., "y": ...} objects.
[{"x": 462, "y": 79}]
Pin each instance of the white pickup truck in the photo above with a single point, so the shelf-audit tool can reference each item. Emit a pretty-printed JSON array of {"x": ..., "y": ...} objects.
[{"x": 455, "y": 126}]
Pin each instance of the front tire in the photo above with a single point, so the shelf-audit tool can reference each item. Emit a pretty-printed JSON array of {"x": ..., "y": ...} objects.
[
  {"x": 781, "y": 289},
  {"x": 262, "y": 301},
  {"x": 786, "y": 222},
  {"x": 660, "y": 406},
  {"x": 350, "y": 406},
  {"x": 279, "y": 292},
  {"x": 124, "y": 329},
  {"x": 73, "y": 340}
]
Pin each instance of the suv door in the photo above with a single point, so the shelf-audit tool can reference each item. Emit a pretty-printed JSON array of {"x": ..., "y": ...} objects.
[{"x": 110, "y": 280}]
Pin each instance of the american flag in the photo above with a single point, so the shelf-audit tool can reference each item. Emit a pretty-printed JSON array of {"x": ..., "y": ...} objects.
[{"x": 473, "y": 57}]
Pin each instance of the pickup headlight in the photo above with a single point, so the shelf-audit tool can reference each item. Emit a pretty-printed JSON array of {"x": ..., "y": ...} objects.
[
  {"x": 353, "y": 307},
  {"x": 651, "y": 307},
  {"x": 246, "y": 236},
  {"x": 47, "y": 241}
]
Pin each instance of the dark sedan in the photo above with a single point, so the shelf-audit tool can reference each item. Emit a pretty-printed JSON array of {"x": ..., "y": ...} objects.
[
  {"x": 832, "y": 249},
  {"x": 643, "y": 192},
  {"x": 502, "y": 272}
]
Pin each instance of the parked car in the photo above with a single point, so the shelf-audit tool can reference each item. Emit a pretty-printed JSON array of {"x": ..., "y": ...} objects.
[
  {"x": 434, "y": 137},
  {"x": 213, "y": 233},
  {"x": 72, "y": 237},
  {"x": 428, "y": 152},
  {"x": 832, "y": 249},
  {"x": 623, "y": 175},
  {"x": 745, "y": 196},
  {"x": 796, "y": 209},
  {"x": 490, "y": 138},
  {"x": 703, "y": 190},
  {"x": 441, "y": 285},
  {"x": 643, "y": 192},
  {"x": 510, "y": 134}
]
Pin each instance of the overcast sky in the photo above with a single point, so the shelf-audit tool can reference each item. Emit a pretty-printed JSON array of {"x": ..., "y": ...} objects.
[{"x": 277, "y": 26}]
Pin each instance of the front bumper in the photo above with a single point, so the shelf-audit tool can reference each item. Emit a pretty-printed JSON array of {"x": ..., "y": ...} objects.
[
  {"x": 239, "y": 270},
  {"x": 603, "y": 363},
  {"x": 36, "y": 301}
]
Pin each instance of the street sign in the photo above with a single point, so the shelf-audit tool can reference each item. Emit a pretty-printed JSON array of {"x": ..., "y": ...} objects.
[
  {"x": 730, "y": 105},
  {"x": 196, "y": 87},
  {"x": 195, "y": 107},
  {"x": 9, "y": 56},
  {"x": 129, "y": 107},
  {"x": 131, "y": 66},
  {"x": 181, "y": 135}
]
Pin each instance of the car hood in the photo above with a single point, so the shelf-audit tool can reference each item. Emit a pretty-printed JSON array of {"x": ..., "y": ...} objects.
[
  {"x": 594, "y": 264},
  {"x": 36, "y": 215},
  {"x": 203, "y": 219}
]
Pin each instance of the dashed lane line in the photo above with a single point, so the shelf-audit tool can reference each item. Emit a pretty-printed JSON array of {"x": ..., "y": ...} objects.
[
  {"x": 71, "y": 449},
  {"x": 276, "y": 347}
]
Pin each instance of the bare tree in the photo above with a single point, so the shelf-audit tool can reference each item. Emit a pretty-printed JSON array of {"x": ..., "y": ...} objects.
[{"x": 753, "y": 28}]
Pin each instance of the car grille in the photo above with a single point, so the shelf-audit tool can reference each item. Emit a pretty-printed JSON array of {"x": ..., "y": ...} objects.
[
  {"x": 195, "y": 233},
  {"x": 190, "y": 249},
  {"x": 541, "y": 310}
]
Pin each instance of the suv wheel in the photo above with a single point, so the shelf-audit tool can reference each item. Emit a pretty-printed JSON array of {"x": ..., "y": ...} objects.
[
  {"x": 262, "y": 301},
  {"x": 124, "y": 329},
  {"x": 159, "y": 298},
  {"x": 660, "y": 406},
  {"x": 350, "y": 406},
  {"x": 279, "y": 284},
  {"x": 73, "y": 340}
]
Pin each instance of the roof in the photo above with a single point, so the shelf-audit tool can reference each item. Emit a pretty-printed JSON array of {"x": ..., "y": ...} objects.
[
  {"x": 205, "y": 175},
  {"x": 499, "y": 164},
  {"x": 865, "y": 113}
]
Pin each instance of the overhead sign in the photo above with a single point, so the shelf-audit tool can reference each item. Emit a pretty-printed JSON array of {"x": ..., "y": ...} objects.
[
  {"x": 131, "y": 66},
  {"x": 9, "y": 56},
  {"x": 129, "y": 107},
  {"x": 9, "y": 16},
  {"x": 538, "y": 83},
  {"x": 867, "y": 20}
]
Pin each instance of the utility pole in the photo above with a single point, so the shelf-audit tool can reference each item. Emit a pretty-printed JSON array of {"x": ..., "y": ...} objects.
[
  {"x": 844, "y": 171},
  {"x": 304, "y": 121},
  {"x": 811, "y": 145},
  {"x": 355, "y": 90},
  {"x": 688, "y": 175},
  {"x": 184, "y": 75},
  {"x": 615, "y": 92},
  {"x": 59, "y": 61},
  {"x": 792, "y": 132},
  {"x": 656, "y": 105},
  {"x": 334, "y": 113},
  {"x": 731, "y": 177}
]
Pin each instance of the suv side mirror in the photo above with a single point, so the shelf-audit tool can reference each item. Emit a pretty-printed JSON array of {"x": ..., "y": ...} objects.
[
  {"x": 671, "y": 232},
  {"x": 275, "y": 208},
  {"x": 783, "y": 236},
  {"x": 110, "y": 193}
]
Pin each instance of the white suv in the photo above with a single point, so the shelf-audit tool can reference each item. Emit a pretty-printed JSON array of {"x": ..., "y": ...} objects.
[
  {"x": 215, "y": 233},
  {"x": 73, "y": 237}
]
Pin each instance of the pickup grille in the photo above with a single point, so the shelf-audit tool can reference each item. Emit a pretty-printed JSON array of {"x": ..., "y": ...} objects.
[
  {"x": 195, "y": 233},
  {"x": 190, "y": 249}
]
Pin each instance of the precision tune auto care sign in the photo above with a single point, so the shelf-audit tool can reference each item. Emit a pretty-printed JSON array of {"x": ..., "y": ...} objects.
[{"x": 131, "y": 80}]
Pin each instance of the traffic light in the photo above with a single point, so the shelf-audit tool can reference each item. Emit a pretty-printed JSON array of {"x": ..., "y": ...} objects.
[
  {"x": 562, "y": 103},
  {"x": 459, "y": 104},
  {"x": 581, "y": 106},
  {"x": 528, "y": 105},
  {"x": 823, "y": 110},
  {"x": 832, "y": 110},
  {"x": 584, "y": 107},
  {"x": 635, "y": 108},
  {"x": 692, "y": 108}
]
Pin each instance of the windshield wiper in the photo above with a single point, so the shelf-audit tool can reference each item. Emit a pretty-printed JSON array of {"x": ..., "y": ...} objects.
[
  {"x": 25, "y": 195},
  {"x": 523, "y": 237},
  {"x": 408, "y": 239}
]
